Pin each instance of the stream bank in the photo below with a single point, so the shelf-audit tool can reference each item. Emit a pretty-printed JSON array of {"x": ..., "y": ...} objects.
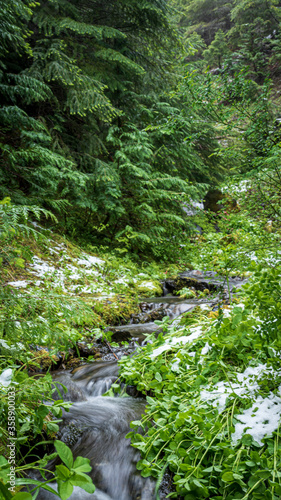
[{"x": 96, "y": 426}]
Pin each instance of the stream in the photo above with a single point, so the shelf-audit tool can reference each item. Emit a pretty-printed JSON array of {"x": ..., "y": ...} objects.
[{"x": 96, "y": 426}]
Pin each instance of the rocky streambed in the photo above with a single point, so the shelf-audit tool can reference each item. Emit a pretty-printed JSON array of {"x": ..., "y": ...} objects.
[{"x": 96, "y": 426}]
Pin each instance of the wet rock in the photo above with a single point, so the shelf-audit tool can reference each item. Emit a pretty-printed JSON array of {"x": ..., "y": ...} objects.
[
  {"x": 197, "y": 273},
  {"x": 167, "y": 486},
  {"x": 132, "y": 391},
  {"x": 71, "y": 433},
  {"x": 189, "y": 281},
  {"x": 211, "y": 200},
  {"x": 133, "y": 330},
  {"x": 86, "y": 350},
  {"x": 74, "y": 392},
  {"x": 155, "y": 314}
]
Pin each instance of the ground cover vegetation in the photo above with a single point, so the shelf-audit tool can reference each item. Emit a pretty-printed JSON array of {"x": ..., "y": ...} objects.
[{"x": 113, "y": 119}]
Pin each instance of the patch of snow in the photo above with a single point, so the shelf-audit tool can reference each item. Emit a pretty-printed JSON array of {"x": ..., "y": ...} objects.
[
  {"x": 41, "y": 267},
  {"x": 19, "y": 284},
  {"x": 241, "y": 305},
  {"x": 175, "y": 365},
  {"x": 260, "y": 420},
  {"x": 6, "y": 377},
  {"x": 226, "y": 312},
  {"x": 196, "y": 332},
  {"x": 148, "y": 284},
  {"x": 122, "y": 281},
  {"x": 191, "y": 354},
  {"x": 241, "y": 186},
  {"x": 4, "y": 344},
  {"x": 246, "y": 385},
  {"x": 207, "y": 347},
  {"x": 53, "y": 251},
  {"x": 90, "y": 260},
  {"x": 204, "y": 307},
  {"x": 192, "y": 207},
  {"x": 87, "y": 289},
  {"x": 105, "y": 295}
]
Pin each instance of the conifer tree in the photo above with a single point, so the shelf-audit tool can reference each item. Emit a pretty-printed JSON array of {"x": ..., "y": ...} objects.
[
  {"x": 91, "y": 120},
  {"x": 29, "y": 169},
  {"x": 217, "y": 50}
]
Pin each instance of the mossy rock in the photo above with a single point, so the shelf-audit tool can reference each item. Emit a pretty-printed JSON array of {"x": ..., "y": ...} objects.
[
  {"x": 116, "y": 310},
  {"x": 43, "y": 358},
  {"x": 149, "y": 288},
  {"x": 188, "y": 318},
  {"x": 213, "y": 196}
]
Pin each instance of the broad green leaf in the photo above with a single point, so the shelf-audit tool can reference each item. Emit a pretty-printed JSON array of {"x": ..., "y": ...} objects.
[
  {"x": 5, "y": 494},
  {"x": 65, "y": 489},
  {"x": 3, "y": 461},
  {"x": 227, "y": 477},
  {"x": 82, "y": 465},
  {"x": 84, "y": 482},
  {"x": 52, "y": 427},
  {"x": 64, "y": 453},
  {"x": 63, "y": 472},
  {"x": 247, "y": 439}
]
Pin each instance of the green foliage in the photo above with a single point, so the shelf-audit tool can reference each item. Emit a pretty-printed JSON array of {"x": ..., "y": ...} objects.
[
  {"x": 33, "y": 422},
  {"x": 189, "y": 433},
  {"x": 73, "y": 473},
  {"x": 217, "y": 50},
  {"x": 14, "y": 224},
  {"x": 205, "y": 17},
  {"x": 28, "y": 322},
  {"x": 97, "y": 128}
]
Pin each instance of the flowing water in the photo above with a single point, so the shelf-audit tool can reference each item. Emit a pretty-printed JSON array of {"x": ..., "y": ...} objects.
[{"x": 96, "y": 426}]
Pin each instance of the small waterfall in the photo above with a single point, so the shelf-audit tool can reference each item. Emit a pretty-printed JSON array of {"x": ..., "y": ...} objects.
[{"x": 95, "y": 428}]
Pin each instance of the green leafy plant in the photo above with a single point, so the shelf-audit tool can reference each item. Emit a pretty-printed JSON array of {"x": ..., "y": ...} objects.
[
  {"x": 67, "y": 475},
  {"x": 186, "y": 431}
]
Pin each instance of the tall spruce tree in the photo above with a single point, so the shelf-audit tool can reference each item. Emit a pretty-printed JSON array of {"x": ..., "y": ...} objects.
[{"x": 29, "y": 168}]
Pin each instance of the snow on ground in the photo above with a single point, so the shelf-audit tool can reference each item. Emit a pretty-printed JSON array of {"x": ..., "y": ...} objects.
[
  {"x": 90, "y": 260},
  {"x": 41, "y": 268},
  {"x": 59, "y": 275},
  {"x": 19, "y": 284},
  {"x": 148, "y": 284},
  {"x": 6, "y": 377},
  {"x": 204, "y": 307},
  {"x": 260, "y": 420},
  {"x": 207, "y": 348},
  {"x": 172, "y": 341},
  {"x": 247, "y": 385}
]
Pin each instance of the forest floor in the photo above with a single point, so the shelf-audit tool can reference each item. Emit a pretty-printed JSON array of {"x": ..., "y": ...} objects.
[{"x": 212, "y": 378}]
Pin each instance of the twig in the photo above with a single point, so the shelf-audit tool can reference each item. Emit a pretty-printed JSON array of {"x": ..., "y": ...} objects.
[{"x": 110, "y": 348}]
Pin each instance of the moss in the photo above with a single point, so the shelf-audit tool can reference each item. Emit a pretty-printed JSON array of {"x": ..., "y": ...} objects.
[
  {"x": 116, "y": 310},
  {"x": 44, "y": 359},
  {"x": 74, "y": 363},
  {"x": 188, "y": 318},
  {"x": 149, "y": 288},
  {"x": 213, "y": 314}
]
